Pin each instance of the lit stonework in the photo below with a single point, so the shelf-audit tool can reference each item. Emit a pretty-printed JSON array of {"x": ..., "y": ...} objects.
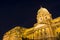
[{"x": 46, "y": 28}]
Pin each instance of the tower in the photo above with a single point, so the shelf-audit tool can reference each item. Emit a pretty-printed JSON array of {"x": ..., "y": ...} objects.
[{"x": 44, "y": 17}]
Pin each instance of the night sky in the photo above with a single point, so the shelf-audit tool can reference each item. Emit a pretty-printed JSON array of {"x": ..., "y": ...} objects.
[{"x": 23, "y": 12}]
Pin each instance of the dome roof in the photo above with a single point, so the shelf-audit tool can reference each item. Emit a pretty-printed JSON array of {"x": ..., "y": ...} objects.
[{"x": 43, "y": 11}]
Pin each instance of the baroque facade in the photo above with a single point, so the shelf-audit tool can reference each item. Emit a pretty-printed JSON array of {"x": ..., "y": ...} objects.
[{"x": 46, "y": 28}]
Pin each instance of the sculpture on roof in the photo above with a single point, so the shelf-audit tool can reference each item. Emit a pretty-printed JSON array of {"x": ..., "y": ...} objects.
[{"x": 46, "y": 28}]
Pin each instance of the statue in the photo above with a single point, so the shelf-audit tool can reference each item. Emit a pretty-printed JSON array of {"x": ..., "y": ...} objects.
[{"x": 46, "y": 28}]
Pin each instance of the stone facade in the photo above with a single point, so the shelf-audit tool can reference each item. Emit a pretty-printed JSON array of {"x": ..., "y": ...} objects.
[{"x": 46, "y": 28}]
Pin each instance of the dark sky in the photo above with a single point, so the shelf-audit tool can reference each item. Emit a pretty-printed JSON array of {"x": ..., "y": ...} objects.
[{"x": 23, "y": 12}]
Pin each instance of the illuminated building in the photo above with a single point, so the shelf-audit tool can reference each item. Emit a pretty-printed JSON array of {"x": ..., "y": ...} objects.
[{"x": 46, "y": 28}]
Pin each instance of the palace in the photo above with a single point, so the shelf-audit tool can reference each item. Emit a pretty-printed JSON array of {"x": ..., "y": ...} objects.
[{"x": 46, "y": 28}]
